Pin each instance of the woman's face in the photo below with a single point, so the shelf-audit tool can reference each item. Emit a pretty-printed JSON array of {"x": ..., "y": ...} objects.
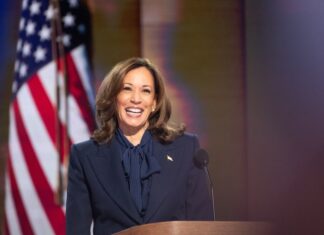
[{"x": 136, "y": 100}]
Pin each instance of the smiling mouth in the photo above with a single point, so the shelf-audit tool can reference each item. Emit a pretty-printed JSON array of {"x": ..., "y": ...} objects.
[{"x": 132, "y": 111}]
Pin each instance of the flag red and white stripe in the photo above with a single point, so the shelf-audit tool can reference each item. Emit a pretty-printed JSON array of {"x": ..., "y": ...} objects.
[{"x": 52, "y": 106}]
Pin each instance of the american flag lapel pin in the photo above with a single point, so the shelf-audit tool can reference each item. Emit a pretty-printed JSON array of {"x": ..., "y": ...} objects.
[{"x": 169, "y": 158}]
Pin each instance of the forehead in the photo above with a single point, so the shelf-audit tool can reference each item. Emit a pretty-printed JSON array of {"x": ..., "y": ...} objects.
[{"x": 139, "y": 76}]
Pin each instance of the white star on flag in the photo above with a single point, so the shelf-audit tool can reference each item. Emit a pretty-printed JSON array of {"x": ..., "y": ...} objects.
[
  {"x": 35, "y": 8},
  {"x": 49, "y": 13},
  {"x": 24, "y": 4},
  {"x": 73, "y": 3},
  {"x": 26, "y": 49},
  {"x": 45, "y": 33},
  {"x": 68, "y": 20},
  {"x": 39, "y": 54},
  {"x": 14, "y": 86},
  {"x": 30, "y": 28},
  {"x": 16, "y": 65},
  {"x": 66, "y": 40},
  {"x": 21, "y": 23},
  {"x": 23, "y": 70},
  {"x": 19, "y": 43}
]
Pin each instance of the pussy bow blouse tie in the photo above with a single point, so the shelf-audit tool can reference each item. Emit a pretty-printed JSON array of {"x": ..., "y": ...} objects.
[{"x": 139, "y": 165}]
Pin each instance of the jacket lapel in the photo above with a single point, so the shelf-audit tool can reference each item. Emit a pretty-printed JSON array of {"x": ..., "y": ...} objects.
[
  {"x": 108, "y": 169},
  {"x": 161, "y": 182}
]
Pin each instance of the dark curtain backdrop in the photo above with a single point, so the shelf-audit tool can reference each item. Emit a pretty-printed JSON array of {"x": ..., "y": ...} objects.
[{"x": 285, "y": 84}]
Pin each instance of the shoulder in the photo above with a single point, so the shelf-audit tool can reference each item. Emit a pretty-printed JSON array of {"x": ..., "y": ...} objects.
[
  {"x": 186, "y": 137},
  {"x": 186, "y": 140},
  {"x": 82, "y": 152},
  {"x": 85, "y": 147},
  {"x": 85, "y": 144}
]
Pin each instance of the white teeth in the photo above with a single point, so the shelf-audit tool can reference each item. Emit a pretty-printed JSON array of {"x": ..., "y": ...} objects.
[{"x": 134, "y": 110}]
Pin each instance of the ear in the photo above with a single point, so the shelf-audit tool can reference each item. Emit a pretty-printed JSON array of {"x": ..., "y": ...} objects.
[{"x": 154, "y": 105}]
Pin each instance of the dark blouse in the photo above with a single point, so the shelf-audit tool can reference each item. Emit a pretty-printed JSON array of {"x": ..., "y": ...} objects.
[{"x": 139, "y": 165}]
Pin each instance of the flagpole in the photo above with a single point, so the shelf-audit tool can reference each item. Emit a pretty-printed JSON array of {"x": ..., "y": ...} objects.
[{"x": 62, "y": 140}]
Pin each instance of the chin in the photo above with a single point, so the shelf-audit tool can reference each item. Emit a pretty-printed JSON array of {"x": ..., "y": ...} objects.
[
  {"x": 132, "y": 125},
  {"x": 140, "y": 126}
]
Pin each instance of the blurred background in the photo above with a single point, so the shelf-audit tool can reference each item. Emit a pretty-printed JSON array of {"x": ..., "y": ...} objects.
[{"x": 246, "y": 75}]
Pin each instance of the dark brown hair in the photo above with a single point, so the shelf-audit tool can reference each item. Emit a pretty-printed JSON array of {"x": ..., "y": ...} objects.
[{"x": 106, "y": 112}]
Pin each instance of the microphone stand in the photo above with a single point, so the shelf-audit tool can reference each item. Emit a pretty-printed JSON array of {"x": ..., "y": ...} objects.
[
  {"x": 211, "y": 189},
  {"x": 201, "y": 161}
]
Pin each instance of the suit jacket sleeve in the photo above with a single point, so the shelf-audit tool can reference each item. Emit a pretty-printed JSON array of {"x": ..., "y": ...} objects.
[
  {"x": 198, "y": 202},
  {"x": 78, "y": 207}
]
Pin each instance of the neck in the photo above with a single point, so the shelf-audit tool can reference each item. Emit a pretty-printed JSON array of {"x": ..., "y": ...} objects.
[{"x": 134, "y": 136}]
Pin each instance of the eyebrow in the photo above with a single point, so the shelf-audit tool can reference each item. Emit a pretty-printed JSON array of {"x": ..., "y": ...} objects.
[{"x": 126, "y": 83}]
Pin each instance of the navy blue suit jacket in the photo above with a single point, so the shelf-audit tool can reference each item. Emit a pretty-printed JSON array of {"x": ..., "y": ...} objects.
[{"x": 98, "y": 191}]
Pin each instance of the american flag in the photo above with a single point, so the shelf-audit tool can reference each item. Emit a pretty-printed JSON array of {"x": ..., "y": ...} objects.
[{"x": 51, "y": 107}]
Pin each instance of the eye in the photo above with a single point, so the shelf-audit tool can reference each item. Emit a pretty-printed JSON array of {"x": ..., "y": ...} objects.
[
  {"x": 146, "y": 90},
  {"x": 127, "y": 88}
]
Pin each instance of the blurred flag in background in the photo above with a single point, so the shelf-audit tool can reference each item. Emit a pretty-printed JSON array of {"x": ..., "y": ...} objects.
[{"x": 51, "y": 107}]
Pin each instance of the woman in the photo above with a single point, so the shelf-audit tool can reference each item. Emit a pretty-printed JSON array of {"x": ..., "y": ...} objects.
[{"x": 136, "y": 168}]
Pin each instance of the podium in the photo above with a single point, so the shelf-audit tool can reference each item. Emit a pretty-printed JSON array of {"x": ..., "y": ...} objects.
[{"x": 201, "y": 228}]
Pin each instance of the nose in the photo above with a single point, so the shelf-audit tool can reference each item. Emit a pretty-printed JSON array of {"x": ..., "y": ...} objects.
[{"x": 136, "y": 97}]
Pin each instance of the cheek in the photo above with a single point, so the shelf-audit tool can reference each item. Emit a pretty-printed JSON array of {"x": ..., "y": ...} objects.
[
  {"x": 121, "y": 100},
  {"x": 119, "y": 105}
]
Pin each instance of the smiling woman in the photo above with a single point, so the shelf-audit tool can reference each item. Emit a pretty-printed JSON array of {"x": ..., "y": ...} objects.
[
  {"x": 133, "y": 79},
  {"x": 136, "y": 169},
  {"x": 135, "y": 102}
]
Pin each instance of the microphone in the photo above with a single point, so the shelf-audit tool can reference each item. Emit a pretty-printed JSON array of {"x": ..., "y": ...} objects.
[{"x": 201, "y": 161}]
